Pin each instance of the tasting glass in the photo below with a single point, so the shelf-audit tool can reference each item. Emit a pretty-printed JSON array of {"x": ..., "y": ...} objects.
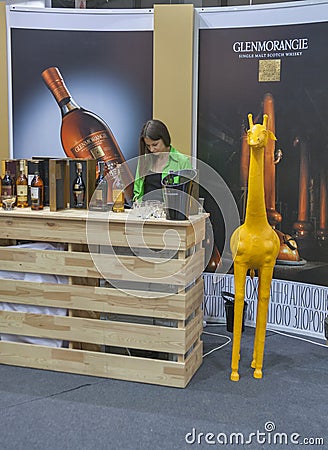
[{"x": 8, "y": 202}]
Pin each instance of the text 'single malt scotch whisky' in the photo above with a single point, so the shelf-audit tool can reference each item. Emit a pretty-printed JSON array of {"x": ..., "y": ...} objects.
[
  {"x": 22, "y": 187},
  {"x": 37, "y": 192},
  {"x": 78, "y": 188},
  {"x": 83, "y": 133}
]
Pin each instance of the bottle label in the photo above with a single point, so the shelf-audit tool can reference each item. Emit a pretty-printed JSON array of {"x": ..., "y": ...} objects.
[
  {"x": 118, "y": 198},
  {"x": 98, "y": 195},
  {"x": 97, "y": 152},
  {"x": 95, "y": 143},
  {"x": 7, "y": 190},
  {"x": 22, "y": 191},
  {"x": 35, "y": 194},
  {"x": 117, "y": 195}
]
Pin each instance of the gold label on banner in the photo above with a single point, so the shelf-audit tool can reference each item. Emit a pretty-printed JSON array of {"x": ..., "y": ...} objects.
[{"x": 269, "y": 70}]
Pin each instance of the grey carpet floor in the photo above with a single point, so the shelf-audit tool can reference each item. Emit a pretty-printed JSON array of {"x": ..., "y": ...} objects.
[{"x": 287, "y": 408}]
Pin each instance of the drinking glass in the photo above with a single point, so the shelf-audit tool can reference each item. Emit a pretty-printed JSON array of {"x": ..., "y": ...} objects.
[{"x": 8, "y": 202}]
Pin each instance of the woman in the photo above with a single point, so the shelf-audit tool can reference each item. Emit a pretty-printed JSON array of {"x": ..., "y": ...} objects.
[{"x": 157, "y": 158}]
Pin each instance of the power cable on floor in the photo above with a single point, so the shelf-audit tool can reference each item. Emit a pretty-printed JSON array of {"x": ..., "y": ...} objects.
[
  {"x": 220, "y": 346},
  {"x": 297, "y": 337},
  {"x": 268, "y": 329}
]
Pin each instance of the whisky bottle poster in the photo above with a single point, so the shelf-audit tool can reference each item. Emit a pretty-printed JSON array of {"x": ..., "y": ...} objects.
[
  {"x": 282, "y": 70},
  {"x": 109, "y": 72}
]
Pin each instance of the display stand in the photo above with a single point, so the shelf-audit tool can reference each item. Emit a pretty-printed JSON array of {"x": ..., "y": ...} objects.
[{"x": 130, "y": 327}]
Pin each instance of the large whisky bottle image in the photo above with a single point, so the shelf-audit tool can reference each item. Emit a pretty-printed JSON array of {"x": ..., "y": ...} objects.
[{"x": 83, "y": 133}]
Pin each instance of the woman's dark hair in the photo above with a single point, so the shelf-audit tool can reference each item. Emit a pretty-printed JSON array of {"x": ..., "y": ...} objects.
[{"x": 154, "y": 130}]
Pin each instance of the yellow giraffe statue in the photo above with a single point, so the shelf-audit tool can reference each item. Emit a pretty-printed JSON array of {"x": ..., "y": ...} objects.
[{"x": 254, "y": 245}]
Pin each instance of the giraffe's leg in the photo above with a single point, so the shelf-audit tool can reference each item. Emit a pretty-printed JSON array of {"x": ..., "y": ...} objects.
[
  {"x": 240, "y": 279},
  {"x": 265, "y": 278},
  {"x": 253, "y": 363}
]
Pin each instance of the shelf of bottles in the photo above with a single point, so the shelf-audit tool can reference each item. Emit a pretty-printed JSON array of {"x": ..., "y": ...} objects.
[
  {"x": 131, "y": 293},
  {"x": 62, "y": 184}
]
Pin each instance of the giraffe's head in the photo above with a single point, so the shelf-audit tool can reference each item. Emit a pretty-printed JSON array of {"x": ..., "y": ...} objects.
[{"x": 258, "y": 134}]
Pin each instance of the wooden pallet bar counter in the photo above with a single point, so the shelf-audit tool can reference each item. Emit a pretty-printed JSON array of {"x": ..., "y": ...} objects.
[{"x": 131, "y": 296}]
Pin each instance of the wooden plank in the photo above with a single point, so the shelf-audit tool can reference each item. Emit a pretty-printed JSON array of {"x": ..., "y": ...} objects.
[
  {"x": 194, "y": 267},
  {"x": 83, "y": 215},
  {"x": 195, "y": 234},
  {"x": 194, "y": 297},
  {"x": 112, "y": 267},
  {"x": 166, "y": 373},
  {"x": 137, "y": 235},
  {"x": 106, "y": 300},
  {"x": 99, "y": 228},
  {"x": 93, "y": 331},
  {"x": 134, "y": 235},
  {"x": 39, "y": 229},
  {"x": 193, "y": 362},
  {"x": 194, "y": 329}
]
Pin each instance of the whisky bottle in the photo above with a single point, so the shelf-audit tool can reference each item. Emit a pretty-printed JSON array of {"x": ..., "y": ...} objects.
[
  {"x": 118, "y": 191},
  {"x": 37, "y": 192},
  {"x": 22, "y": 187},
  {"x": 78, "y": 188},
  {"x": 83, "y": 133},
  {"x": 7, "y": 185},
  {"x": 99, "y": 198},
  {"x": 110, "y": 172}
]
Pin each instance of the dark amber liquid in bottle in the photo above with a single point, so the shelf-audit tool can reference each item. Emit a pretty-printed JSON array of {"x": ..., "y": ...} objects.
[
  {"x": 83, "y": 133},
  {"x": 7, "y": 185}
]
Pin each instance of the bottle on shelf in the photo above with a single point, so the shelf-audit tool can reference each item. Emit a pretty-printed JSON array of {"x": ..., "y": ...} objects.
[
  {"x": 110, "y": 171},
  {"x": 78, "y": 188},
  {"x": 22, "y": 187},
  {"x": 83, "y": 133},
  {"x": 99, "y": 199},
  {"x": 118, "y": 191},
  {"x": 7, "y": 185},
  {"x": 37, "y": 192}
]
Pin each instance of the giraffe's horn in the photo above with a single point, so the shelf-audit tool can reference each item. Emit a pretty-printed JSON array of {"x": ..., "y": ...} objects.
[
  {"x": 250, "y": 120},
  {"x": 265, "y": 120}
]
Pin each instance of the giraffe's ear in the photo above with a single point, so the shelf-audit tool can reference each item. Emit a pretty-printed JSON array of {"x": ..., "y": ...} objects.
[{"x": 271, "y": 135}]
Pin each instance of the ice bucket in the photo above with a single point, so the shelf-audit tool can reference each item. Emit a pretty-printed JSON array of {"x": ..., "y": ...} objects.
[{"x": 177, "y": 193}]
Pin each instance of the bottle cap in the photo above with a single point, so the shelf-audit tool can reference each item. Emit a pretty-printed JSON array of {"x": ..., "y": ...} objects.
[{"x": 54, "y": 81}]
